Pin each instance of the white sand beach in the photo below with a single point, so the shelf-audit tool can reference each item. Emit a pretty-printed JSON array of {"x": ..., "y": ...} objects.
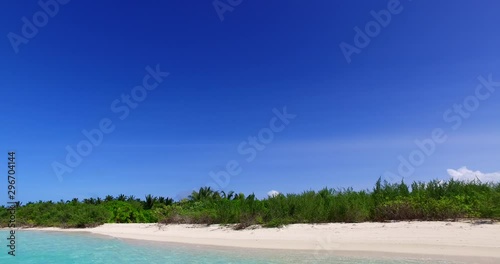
[{"x": 449, "y": 239}]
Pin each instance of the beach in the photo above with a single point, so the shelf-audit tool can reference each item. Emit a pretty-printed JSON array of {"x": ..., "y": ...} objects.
[{"x": 453, "y": 240}]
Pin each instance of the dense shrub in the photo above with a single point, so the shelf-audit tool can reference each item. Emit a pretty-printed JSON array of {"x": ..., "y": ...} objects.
[{"x": 434, "y": 200}]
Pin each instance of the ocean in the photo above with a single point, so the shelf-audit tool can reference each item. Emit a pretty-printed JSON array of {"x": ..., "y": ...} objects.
[{"x": 42, "y": 247}]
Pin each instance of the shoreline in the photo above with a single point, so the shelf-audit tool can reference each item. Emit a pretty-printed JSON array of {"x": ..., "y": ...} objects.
[{"x": 444, "y": 240}]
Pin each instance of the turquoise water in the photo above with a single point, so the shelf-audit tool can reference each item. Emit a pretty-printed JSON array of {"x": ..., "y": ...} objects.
[{"x": 57, "y": 247}]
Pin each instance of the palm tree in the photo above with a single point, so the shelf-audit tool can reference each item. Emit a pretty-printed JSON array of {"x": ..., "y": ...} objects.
[
  {"x": 240, "y": 196},
  {"x": 194, "y": 196},
  {"x": 251, "y": 197},
  {"x": 108, "y": 198},
  {"x": 203, "y": 194},
  {"x": 166, "y": 201},
  {"x": 215, "y": 195},
  {"x": 131, "y": 198},
  {"x": 149, "y": 202},
  {"x": 231, "y": 195},
  {"x": 121, "y": 197}
]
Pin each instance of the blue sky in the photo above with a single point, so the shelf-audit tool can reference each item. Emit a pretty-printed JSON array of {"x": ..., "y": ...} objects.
[{"x": 352, "y": 120}]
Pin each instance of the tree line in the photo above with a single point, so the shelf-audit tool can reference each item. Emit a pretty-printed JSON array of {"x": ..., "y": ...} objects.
[{"x": 434, "y": 200}]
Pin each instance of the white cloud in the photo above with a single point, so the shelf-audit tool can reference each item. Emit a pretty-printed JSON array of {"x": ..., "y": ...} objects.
[
  {"x": 465, "y": 174},
  {"x": 272, "y": 193}
]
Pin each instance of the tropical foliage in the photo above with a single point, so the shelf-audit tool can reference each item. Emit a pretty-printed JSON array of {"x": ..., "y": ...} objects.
[{"x": 435, "y": 200}]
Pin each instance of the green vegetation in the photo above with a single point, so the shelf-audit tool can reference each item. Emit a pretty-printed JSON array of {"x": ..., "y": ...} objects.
[{"x": 434, "y": 200}]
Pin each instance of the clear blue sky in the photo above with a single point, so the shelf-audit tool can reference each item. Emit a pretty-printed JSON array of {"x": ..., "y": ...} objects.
[{"x": 352, "y": 120}]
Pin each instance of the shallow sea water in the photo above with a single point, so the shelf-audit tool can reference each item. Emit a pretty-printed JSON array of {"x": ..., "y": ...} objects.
[{"x": 78, "y": 248}]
